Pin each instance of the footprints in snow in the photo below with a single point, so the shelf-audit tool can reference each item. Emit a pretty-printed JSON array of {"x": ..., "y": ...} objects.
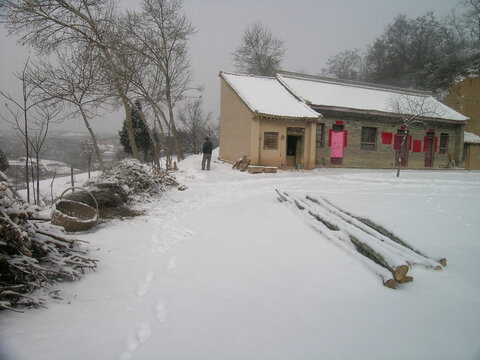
[
  {"x": 144, "y": 285},
  {"x": 141, "y": 335},
  {"x": 172, "y": 233}
]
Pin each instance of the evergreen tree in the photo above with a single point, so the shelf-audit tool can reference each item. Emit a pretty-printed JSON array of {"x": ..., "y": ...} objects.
[
  {"x": 3, "y": 161},
  {"x": 140, "y": 132}
]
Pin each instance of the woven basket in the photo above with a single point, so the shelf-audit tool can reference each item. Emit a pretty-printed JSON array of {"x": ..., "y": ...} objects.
[{"x": 74, "y": 215}]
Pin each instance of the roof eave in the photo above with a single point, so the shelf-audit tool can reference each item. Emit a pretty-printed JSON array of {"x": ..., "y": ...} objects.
[{"x": 385, "y": 114}]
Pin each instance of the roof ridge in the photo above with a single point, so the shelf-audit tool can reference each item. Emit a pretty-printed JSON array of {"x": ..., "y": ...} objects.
[
  {"x": 355, "y": 83},
  {"x": 249, "y": 75}
]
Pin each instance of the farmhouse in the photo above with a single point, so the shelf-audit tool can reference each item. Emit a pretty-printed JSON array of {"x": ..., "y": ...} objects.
[{"x": 307, "y": 121}]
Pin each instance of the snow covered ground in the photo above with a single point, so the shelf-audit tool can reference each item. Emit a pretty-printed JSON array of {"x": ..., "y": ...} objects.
[{"x": 225, "y": 271}]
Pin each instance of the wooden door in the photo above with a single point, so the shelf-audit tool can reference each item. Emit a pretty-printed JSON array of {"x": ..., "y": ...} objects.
[
  {"x": 402, "y": 146},
  {"x": 429, "y": 139}
]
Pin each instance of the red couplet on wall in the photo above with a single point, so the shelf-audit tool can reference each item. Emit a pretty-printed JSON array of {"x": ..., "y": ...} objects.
[
  {"x": 387, "y": 138},
  {"x": 417, "y": 145}
]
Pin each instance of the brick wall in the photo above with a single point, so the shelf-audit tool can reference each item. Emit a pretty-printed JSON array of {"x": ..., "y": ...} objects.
[{"x": 383, "y": 156}]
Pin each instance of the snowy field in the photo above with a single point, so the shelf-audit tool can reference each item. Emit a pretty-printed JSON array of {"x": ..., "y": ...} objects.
[{"x": 225, "y": 271}]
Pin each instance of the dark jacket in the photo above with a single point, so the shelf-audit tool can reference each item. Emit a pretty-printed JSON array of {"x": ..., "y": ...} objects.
[{"x": 207, "y": 147}]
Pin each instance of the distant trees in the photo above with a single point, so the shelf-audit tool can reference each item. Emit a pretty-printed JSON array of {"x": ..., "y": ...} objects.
[
  {"x": 345, "y": 65},
  {"x": 422, "y": 52},
  {"x": 260, "y": 52}
]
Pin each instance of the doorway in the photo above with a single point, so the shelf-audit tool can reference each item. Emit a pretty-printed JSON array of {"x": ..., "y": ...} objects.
[
  {"x": 294, "y": 150},
  {"x": 402, "y": 146},
  {"x": 429, "y": 149}
]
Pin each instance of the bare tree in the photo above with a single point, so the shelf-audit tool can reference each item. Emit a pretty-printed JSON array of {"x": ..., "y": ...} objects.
[
  {"x": 75, "y": 80},
  {"x": 162, "y": 31},
  {"x": 19, "y": 114},
  {"x": 345, "y": 65},
  {"x": 195, "y": 122},
  {"x": 44, "y": 116},
  {"x": 48, "y": 24},
  {"x": 469, "y": 20},
  {"x": 142, "y": 77},
  {"x": 413, "y": 109},
  {"x": 260, "y": 52}
]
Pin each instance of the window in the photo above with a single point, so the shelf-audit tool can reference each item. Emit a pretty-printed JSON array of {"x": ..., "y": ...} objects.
[
  {"x": 337, "y": 128},
  {"x": 369, "y": 138},
  {"x": 443, "y": 143},
  {"x": 270, "y": 141},
  {"x": 320, "y": 136}
]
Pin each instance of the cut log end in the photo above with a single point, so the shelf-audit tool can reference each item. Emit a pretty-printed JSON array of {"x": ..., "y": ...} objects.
[
  {"x": 406, "y": 279},
  {"x": 443, "y": 261},
  {"x": 438, "y": 268},
  {"x": 390, "y": 283},
  {"x": 400, "y": 272}
]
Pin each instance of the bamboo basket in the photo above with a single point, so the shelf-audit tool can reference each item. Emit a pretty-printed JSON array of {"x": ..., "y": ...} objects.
[{"x": 74, "y": 215}]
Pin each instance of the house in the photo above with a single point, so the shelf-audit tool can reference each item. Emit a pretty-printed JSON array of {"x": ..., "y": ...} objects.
[
  {"x": 471, "y": 153},
  {"x": 307, "y": 121},
  {"x": 464, "y": 95}
]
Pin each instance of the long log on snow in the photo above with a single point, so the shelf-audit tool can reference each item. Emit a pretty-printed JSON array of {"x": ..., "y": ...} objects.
[
  {"x": 411, "y": 255},
  {"x": 338, "y": 239},
  {"x": 364, "y": 243}
]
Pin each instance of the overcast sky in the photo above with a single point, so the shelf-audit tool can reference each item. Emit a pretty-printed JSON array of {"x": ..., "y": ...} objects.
[{"x": 312, "y": 30}]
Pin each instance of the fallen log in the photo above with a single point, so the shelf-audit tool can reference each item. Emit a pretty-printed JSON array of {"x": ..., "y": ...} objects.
[
  {"x": 338, "y": 239},
  {"x": 411, "y": 256},
  {"x": 365, "y": 243},
  {"x": 384, "y": 235}
]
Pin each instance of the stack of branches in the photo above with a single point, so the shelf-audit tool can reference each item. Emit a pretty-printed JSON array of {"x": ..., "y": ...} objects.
[
  {"x": 34, "y": 254},
  {"x": 383, "y": 252},
  {"x": 126, "y": 183}
]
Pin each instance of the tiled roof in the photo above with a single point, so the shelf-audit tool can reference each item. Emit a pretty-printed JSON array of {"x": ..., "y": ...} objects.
[
  {"x": 339, "y": 94},
  {"x": 268, "y": 96}
]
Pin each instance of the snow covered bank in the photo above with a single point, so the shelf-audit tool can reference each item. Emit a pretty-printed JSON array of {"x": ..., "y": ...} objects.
[{"x": 225, "y": 271}]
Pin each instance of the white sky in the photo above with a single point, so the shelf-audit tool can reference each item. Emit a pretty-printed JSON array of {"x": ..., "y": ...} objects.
[{"x": 312, "y": 30}]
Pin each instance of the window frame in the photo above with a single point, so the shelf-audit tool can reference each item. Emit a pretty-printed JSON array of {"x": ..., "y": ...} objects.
[
  {"x": 270, "y": 143},
  {"x": 320, "y": 140},
  {"x": 368, "y": 145},
  {"x": 443, "y": 149}
]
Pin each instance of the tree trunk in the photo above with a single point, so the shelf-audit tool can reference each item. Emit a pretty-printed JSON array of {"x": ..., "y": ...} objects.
[
  {"x": 27, "y": 153},
  {"x": 152, "y": 138},
  {"x": 94, "y": 140},
  {"x": 38, "y": 177},
  {"x": 125, "y": 102},
  {"x": 404, "y": 139},
  {"x": 157, "y": 110},
  {"x": 172, "y": 120}
]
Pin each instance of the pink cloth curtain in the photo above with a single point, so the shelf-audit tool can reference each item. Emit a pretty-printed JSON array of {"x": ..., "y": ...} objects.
[{"x": 337, "y": 145}]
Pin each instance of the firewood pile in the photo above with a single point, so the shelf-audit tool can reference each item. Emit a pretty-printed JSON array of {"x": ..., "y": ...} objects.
[
  {"x": 380, "y": 250},
  {"x": 242, "y": 163},
  {"x": 34, "y": 254},
  {"x": 127, "y": 182}
]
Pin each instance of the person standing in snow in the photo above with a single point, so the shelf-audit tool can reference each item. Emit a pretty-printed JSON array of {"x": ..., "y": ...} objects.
[{"x": 207, "y": 153}]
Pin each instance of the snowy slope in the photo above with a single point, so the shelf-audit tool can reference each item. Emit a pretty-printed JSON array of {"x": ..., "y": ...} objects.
[{"x": 225, "y": 271}]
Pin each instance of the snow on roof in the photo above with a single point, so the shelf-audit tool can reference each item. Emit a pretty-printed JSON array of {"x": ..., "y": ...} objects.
[
  {"x": 361, "y": 96},
  {"x": 267, "y": 96},
  {"x": 471, "y": 138}
]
